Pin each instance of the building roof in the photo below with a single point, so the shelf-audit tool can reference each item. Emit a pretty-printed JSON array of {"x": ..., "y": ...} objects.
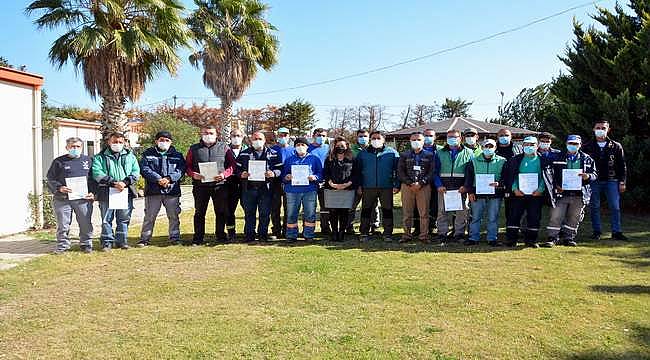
[
  {"x": 460, "y": 123},
  {"x": 20, "y": 77},
  {"x": 61, "y": 121}
]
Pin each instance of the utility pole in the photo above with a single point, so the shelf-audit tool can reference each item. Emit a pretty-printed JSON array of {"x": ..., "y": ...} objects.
[
  {"x": 501, "y": 108},
  {"x": 174, "y": 97}
]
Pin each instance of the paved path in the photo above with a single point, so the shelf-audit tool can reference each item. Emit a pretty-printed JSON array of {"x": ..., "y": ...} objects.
[{"x": 18, "y": 248}]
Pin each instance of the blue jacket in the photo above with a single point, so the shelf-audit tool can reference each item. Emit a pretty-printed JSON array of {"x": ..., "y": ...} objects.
[
  {"x": 377, "y": 168},
  {"x": 273, "y": 163},
  {"x": 320, "y": 152},
  {"x": 155, "y": 166},
  {"x": 316, "y": 170}
]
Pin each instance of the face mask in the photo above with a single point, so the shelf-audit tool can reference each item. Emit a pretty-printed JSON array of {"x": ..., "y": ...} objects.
[
  {"x": 428, "y": 140},
  {"x": 282, "y": 141},
  {"x": 452, "y": 141},
  {"x": 488, "y": 152},
  {"x": 319, "y": 140},
  {"x": 236, "y": 140},
  {"x": 258, "y": 144},
  {"x": 362, "y": 140},
  {"x": 544, "y": 146},
  {"x": 117, "y": 147},
  {"x": 600, "y": 133},
  {"x": 530, "y": 149},
  {"x": 377, "y": 143},
  {"x": 75, "y": 153},
  {"x": 301, "y": 150},
  {"x": 164, "y": 145},
  {"x": 416, "y": 144},
  {"x": 209, "y": 139},
  {"x": 504, "y": 140},
  {"x": 341, "y": 150},
  {"x": 572, "y": 148},
  {"x": 470, "y": 140}
]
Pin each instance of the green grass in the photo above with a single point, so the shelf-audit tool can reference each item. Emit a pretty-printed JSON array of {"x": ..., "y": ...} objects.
[{"x": 327, "y": 300}]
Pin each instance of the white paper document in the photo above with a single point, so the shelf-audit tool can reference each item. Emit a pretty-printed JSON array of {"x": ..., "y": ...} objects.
[
  {"x": 483, "y": 182},
  {"x": 79, "y": 187},
  {"x": 299, "y": 175},
  {"x": 118, "y": 200},
  {"x": 528, "y": 183},
  {"x": 209, "y": 170},
  {"x": 453, "y": 200},
  {"x": 571, "y": 179},
  {"x": 256, "y": 170}
]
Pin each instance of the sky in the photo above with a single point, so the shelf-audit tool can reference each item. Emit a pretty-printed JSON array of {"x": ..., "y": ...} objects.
[{"x": 321, "y": 40}]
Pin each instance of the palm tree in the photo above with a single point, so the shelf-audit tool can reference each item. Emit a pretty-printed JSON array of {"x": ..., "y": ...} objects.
[
  {"x": 235, "y": 39},
  {"x": 119, "y": 45}
]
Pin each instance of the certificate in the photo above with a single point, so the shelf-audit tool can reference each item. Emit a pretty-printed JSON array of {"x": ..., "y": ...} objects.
[
  {"x": 118, "y": 200},
  {"x": 256, "y": 170},
  {"x": 453, "y": 200},
  {"x": 483, "y": 182},
  {"x": 339, "y": 199},
  {"x": 299, "y": 175},
  {"x": 209, "y": 170},
  {"x": 571, "y": 179},
  {"x": 79, "y": 187},
  {"x": 528, "y": 183}
]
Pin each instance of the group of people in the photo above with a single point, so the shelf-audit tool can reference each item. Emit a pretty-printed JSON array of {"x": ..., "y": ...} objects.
[{"x": 447, "y": 191}]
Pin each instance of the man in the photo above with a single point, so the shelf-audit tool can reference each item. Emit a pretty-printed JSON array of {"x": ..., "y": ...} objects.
[
  {"x": 321, "y": 150},
  {"x": 453, "y": 158},
  {"x": 115, "y": 167},
  {"x": 612, "y": 173},
  {"x": 488, "y": 164},
  {"x": 257, "y": 194},
  {"x": 162, "y": 168},
  {"x": 209, "y": 150},
  {"x": 429, "y": 146},
  {"x": 279, "y": 200},
  {"x": 430, "y": 141},
  {"x": 302, "y": 195},
  {"x": 363, "y": 141},
  {"x": 376, "y": 169},
  {"x": 415, "y": 171},
  {"x": 470, "y": 141},
  {"x": 506, "y": 148},
  {"x": 233, "y": 184},
  {"x": 568, "y": 204},
  {"x": 531, "y": 166},
  {"x": 546, "y": 148},
  {"x": 72, "y": 165}
]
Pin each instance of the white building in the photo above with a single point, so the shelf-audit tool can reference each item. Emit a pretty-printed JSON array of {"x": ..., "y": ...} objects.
[
  {"x": 20, "y": 111},
  {"x": 87, "y": 131}
]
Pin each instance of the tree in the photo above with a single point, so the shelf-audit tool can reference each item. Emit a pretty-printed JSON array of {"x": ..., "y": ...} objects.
[
  {"x": 418, "y": 115},
  {"x": 531, "y": 109},
  {"x": 452, "y": 108},
  {"x": 235, "y": 39},
  {"x": 4, "y": 62},
  {"x": 298, "y": 116},
  {"x": 118, "y": 45},
  {"x": 183, "y": 133},
  {"x": 608, "y": 79}
]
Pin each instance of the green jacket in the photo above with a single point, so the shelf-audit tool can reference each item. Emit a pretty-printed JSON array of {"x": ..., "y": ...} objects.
[
  {"x": 480, "y": 165},
  {"x": 452, "y": 174},
  {"x": 356, "y": 148},
  {"x": 109, "y": 168}
]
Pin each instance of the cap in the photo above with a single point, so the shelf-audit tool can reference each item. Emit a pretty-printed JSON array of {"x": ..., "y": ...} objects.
[
  {"x": 164, "y": 134},
  {"x": 530, "y": 139},
  {"x": 283, "y": 130},
  {"x": 574, "y": 138},
  {"x": 300, "y": 140},
  {"x": 489, "y": 141},
  {"x": 470, "y": 131}
]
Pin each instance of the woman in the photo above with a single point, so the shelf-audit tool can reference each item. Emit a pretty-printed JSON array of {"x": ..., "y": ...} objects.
[{"x": 338, "y": 176}]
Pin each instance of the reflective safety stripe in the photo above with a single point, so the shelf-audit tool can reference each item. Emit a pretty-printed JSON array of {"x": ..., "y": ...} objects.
[
  {"x": 292, "y": 226},
  {"x": 324, "y": 211},
  {"x": 454, "y": 175},
  {"x": 512, "y": 227},
  {"x": 570, "y": 228},
  {"x": 553, "y": 228},
  {"x": 532, "y": 229},
  {"x": 230, "y": 227},
  {"x": 308, "y": 224}
]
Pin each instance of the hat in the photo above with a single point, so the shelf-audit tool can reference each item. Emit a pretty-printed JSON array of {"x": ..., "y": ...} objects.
[
  {"x": 164, "y": 134},
  {"x": 489, "y": 141},
  {"x": 576, "y": 138},
  {"x": 300, "y": 140},
  {"x": 530, "y": 139},
  {"x": 546, "y": 135},
  {"x": 470, "y": 131},
  {"x": 283, "y": 130}
]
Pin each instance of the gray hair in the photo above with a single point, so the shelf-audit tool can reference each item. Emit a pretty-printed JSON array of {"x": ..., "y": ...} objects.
[{"x": 73, "y": 140}]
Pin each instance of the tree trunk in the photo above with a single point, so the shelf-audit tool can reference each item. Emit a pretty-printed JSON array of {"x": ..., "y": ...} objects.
[
  {"x": 113, "y": 116},
  {"x": 226, "y": 126}
]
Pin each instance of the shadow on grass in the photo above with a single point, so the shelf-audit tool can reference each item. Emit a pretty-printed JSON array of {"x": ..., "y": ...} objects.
[
  {"x": 638, "y": 333},
  {"x": 622, "y": 289}
]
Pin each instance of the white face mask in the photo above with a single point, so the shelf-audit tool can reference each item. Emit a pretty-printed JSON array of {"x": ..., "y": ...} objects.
[
  {"x": 417, "y": 144},
  {"x": 236, "y": 140},
  {"x": 258, "y": 144},
  {"x": 544, "y": 145},
  {"x": 470, "y": 140},
  {"x": 301, "y": 150},
  {"x": 164, "y": 145},
  {"x": 209, "y": 138},
  {"x": 117, "y": 147},
  {"x": 377, "y": 143}
]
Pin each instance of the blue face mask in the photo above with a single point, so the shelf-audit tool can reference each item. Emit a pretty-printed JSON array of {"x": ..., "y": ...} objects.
[
  {"x": 452, "y": 141},
  {"x": 319, "y": 140},
  {"x": 362, "y": 140},
  {"x": 282, "y": 141},
  {"x": 428, "y": 140},
  {"x": 488, "y": 152},
  {"x": 572, "y": 148},
  {"x": 504, "y": 140},
  {"x": 74, "y": 152},
  {"x": 530, "y": 149}
]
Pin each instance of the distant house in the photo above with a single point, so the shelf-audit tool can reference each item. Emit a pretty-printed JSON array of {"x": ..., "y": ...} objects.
[
  {"x": 485, "y": 129},
  {"x": 20, "y": 110}
]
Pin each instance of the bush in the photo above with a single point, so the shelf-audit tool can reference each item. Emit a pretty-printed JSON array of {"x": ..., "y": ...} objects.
[{"x": 49, "y": 218}]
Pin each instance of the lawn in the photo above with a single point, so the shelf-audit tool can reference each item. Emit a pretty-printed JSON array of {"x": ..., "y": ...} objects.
[{"x": 329, "y": 300}]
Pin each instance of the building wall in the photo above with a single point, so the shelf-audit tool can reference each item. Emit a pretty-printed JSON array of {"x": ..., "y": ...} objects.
[
  {"x": 16, "y": 110},
  {"x": 55, "y": 146}
]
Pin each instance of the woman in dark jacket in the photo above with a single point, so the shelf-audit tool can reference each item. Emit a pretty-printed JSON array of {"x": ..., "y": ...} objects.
[{"x": 338, "y": 175}]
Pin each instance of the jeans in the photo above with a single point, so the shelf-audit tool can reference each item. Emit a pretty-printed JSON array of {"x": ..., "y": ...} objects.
[
  {"x": 83, "y": 211},
  {"x": 254, "y": 200},
  {"x": 152, "y": 204},
  {"x": 122, "y": 218},
  {"x": 308, "y": 202},
  {"x": 479, "y": 208},
  {"x": 610, "y": 188}
]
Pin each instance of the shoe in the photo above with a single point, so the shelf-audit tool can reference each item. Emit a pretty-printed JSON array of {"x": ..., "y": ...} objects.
[
  {"x": 388, "y": 238},
  {"x": 106, "y": 248},
  {"x": 124, "y": 246},
  {"x": 510, "y": 243},
  {"x": 570, "y": 243},
  {"x": 533, "y": 245},
  {"x": 86, "y": 249},
  {"x": 548, "y": 244},
  {"x": 334, "y": 236},
  {"x": 405, "y": 238},
  {"x": 619, "y": 236},
  {"x": 470, "y": 242},
  {"x": 232, "y": 237},
  {"x": 291, "y": 240},
  {"x": 175, "y": 242},
  {"x": 459, "y": 238},
  {"x": 424, "y": 239},
  {"x": 273, "y": 237},
  {"x": 596, "y": 235},
  {"x": 364, "y": 238},
  {"x": 59, "y": 252},
  {"x": 141, "y": 244},
  {"x": 341, "y": 236},
  {"x": 263, "y": 239},
  {"x": 494, "y": 243},
  {"x": 249, "y": 239}
]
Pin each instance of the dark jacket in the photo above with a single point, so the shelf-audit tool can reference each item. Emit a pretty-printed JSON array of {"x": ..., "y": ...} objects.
[
  {"x": 339, "y": 172},
  {"x": 377, "y": 168},
  {"x": 273, "y": 163},
  {"x": 509, "y": 151},
  {"x": 412, "y": 167},
  {"x": 511, "y": 172},
  {"x": 155, "y": 166},
  {"x": 66, "y": 167},
  {"x": 588, "y": 167},
  {"x": 552, "y": 154},
  {"x": 610, "y": 161},
  {"x": 217, "y": 152}
]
